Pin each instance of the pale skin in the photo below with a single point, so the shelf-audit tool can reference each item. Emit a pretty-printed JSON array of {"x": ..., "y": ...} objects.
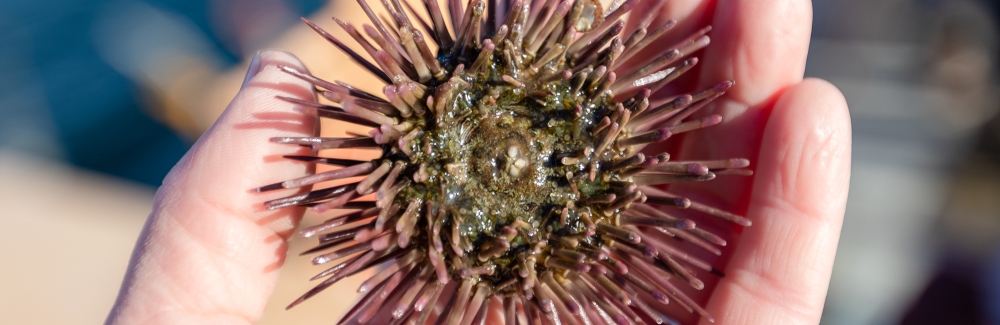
[{"x": 210, "y": 254}]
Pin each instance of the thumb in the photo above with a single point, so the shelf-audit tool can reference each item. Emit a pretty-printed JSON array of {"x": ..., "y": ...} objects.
[{"x": 209, "y": 252}]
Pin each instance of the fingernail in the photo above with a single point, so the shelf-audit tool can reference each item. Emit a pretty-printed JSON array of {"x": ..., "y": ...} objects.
[{"x": 253, "y": 70}]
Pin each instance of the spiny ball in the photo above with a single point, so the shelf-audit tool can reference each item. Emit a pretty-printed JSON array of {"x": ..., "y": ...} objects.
[{"x": 512, "y": 165}]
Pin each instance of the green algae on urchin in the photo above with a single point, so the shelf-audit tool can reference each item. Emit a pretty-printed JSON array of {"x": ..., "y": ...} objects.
[{"x": 512, "y": 166}]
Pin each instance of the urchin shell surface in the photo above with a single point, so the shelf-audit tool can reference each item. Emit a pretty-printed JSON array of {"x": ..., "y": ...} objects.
[{"x": 512, "y": 166}]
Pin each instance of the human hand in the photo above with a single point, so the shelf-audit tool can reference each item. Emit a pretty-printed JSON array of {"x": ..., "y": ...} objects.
[
  {"x": 210, "y": 254},
  {"x": 796, "y": 133}
]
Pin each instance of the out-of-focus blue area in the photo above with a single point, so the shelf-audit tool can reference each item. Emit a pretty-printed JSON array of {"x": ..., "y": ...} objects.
[
  {"x": 923, "y": 218},
  {"x": 59, "y": 99}
]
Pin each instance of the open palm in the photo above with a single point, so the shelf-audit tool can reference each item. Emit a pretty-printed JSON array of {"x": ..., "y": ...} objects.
[{"x": 210, "y": 253}]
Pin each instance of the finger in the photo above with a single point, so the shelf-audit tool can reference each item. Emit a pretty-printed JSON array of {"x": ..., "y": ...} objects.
[
  {"x": 762, "y": 45},
  {"x": 780, "y": 272},
  {"x": 744, "y": 48},
  {"x": 210, "y": 252},
  {"x": 689, "y": 16}
]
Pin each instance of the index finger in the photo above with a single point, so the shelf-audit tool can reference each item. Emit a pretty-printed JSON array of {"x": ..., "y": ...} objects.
[
  {"x": 761, "y": 45},
  {"x": 209, "y": 252}
]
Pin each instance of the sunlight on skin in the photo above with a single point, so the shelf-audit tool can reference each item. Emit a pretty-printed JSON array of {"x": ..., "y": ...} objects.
[
  {"x": 780, "y": 271},
  {"x": 209, "y": 252}
]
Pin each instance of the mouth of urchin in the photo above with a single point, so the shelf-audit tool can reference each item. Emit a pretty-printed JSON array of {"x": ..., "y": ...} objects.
[{"x": 512, "y": 166}]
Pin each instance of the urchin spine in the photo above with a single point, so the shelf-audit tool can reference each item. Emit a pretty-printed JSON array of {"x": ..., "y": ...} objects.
[{"x": 511, "y": 165}]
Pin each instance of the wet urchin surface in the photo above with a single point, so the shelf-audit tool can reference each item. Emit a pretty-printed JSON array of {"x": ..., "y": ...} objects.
[{"x": 513, "y": 166}]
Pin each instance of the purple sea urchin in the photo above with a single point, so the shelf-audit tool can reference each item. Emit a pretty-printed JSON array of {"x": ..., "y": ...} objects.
[{"x": 512, "y": 166}]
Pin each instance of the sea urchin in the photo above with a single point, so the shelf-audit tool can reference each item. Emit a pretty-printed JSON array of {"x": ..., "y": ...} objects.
[{"x": 512, "y": 166}]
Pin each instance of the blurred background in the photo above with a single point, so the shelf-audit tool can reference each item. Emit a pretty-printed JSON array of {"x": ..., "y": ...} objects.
[{"x": 99, "y": 99}]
